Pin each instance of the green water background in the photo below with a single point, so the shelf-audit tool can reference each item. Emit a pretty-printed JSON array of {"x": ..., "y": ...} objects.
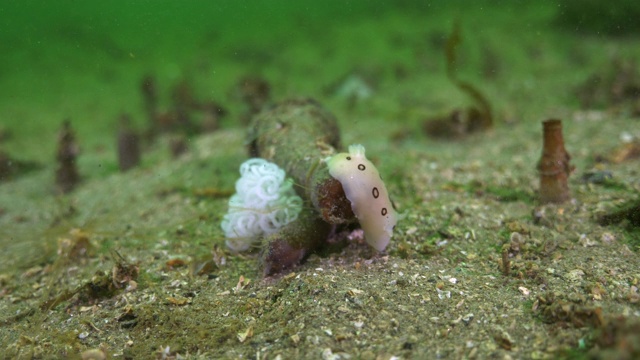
[{"x": 83, "y": 60}]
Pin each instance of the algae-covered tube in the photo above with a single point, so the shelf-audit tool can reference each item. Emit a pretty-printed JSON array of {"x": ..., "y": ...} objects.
[{"x": 297, "y": 134}]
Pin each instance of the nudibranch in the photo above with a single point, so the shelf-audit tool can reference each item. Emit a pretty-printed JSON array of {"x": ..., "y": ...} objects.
[{"x": 367, "y": 193}]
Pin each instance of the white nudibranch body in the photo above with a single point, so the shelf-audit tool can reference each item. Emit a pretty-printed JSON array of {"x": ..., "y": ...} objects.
[{"x": 367, "y": 193}]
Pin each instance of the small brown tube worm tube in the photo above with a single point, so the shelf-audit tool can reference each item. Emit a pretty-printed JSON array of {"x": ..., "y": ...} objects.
[
  {"x": 128, "y": 144},
  {"x": 67, "y": 176},
  {"x": 554, "y": 166},
  {"x": 150, "y": 97},
  {"x": 297, "y": 134},
  {"x": 255, "y": 92}
]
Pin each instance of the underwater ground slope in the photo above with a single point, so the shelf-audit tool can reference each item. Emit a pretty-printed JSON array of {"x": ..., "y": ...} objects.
[{"x": 506, "y": 135}]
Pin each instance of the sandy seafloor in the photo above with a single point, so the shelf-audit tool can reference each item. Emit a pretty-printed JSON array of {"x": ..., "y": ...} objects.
[{"x": 438, "y": 291}]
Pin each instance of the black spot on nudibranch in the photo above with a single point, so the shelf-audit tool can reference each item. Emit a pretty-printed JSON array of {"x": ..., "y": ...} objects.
[
  {"x": 384, "y": 211},
  {"x": 361, "y": 167},
  {"x": 348, "y": 157},
  {"x": 375, "y": 192}
]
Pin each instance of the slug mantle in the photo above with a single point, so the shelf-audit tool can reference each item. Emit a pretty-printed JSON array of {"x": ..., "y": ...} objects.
[{"x": 367, "y": 193}]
